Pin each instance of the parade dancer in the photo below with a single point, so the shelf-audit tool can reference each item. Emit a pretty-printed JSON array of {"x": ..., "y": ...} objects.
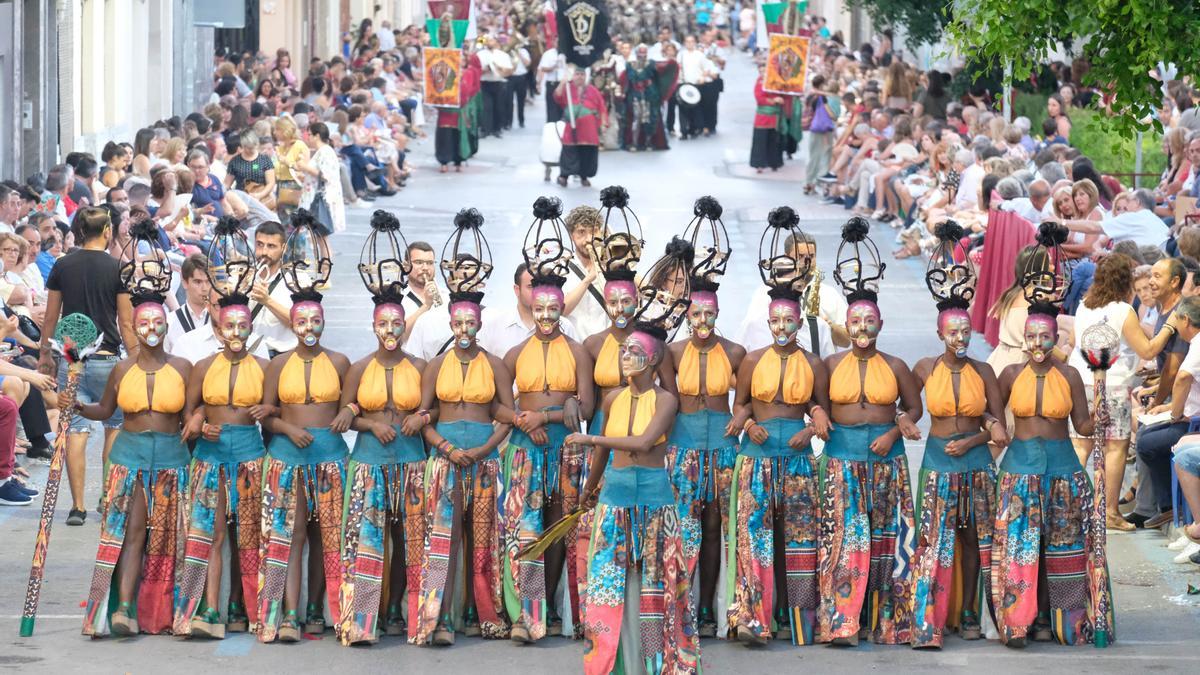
[
  {"x": 383, "y": 538},
  {"x": 956, "y": 488},
  {"x": 469, "y": 393},
  {"x": 774, "y": 505},
  {"x": 1044, "y": 557},
  {"x": 305, "y": 468},
  {"x": 141, "y": 536},
  {"x": 703, "y": 443},
  {"x": 542, "y": 477},
  {"x": 225, "y": 394},
  {"x": 637, "y": 606},
  {"x": 866, "y": 511}
]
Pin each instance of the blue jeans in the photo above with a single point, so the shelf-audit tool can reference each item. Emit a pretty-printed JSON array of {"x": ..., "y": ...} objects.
[
  {"x": 359, "y": 161},
  {"x": 92, "y": 381},
  {"x": 1154, "y": 446}
]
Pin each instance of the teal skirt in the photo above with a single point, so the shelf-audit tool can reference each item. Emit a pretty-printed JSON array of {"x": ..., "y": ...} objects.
[
  {"x": 977, "y": 458},
  {"x": 238, "y": 443},
  {"x": 326, "y": 447},
  {"x": 1040, "y": 456},
  {"x": 149, "y": 451},
  {"x": 780, "y": 430},
  {"x": 852, "y": 442},
  {"x": 403, "y": 449}
]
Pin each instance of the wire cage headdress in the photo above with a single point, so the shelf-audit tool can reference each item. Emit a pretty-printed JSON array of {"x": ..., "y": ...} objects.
[
  {"x": 547, "y": 248},
  {"x": 1046, "y": 279},
  {"x": 781, "y": 270},
  {"x": 145, "y": 271},
  {"x": 619, "y": 246},
  {"x": 466, "y": 258},
  {"x": 710, "y": 244},
  {"x": 232, "y": 267},
  {"x": 664, "y": 293},
  {"x": 951, "y": 283},
  {"x": 383, "y": 264},
  {"x": 307, "y": 262},
  {"x": 859, "y": 268}
]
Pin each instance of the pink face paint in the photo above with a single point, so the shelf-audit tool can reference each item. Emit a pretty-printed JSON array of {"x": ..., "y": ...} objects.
[
  {"x": 637, "y": 353},
  {"x": 234, "y": 325},
  {"x": 702, "y": 314},
  {"x": 465, "y": 323},
  {"x": 547, "y": 308},
  {"x": 150, "y": 323},
  {"x": 863, "y": 323},
  {"x": 783, "y": 317},
  {"x": 954, "y": 328},
  {"x": 1041, "y": 334},
  {"x": 308, "y": 322},
  {"x": 620, "y": 301},
  {"x": 388, "y": 322}
]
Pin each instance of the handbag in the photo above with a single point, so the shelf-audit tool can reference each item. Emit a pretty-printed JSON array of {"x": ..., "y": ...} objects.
[
  {"x": 822, "y": 123},
  {"x": 287, "y": 196},
  {"x": 319, "y": 208},
  {"x": 806, "y": 117}
]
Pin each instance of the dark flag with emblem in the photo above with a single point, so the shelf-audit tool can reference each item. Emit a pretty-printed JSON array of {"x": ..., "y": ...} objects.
[{"x": 583, "y": 31}]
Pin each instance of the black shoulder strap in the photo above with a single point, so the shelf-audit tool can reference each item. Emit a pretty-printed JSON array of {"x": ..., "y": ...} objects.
[
  {"x": 591, "y": 289},
  {"x": 415, "y": 298},
  {"x": 270, "y": 289},
  {"x": 441, "y": 350},
  {"x": 814, "y": 337},
  {"x": 185, "y": 319}
]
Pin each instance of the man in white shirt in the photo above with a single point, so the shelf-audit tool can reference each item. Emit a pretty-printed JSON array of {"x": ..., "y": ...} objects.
[
  {"x": 584, "y": 290},
  {"x": 713, "y": 88},
  {"x": 831, "y": 313},
  {"x": 697, "y": 70},
  {"x": 270, "y": 299},
  {"x": 193, "y": 313},
  {"x": 204, "y": 342},
  {"x": 1133, "y": 220},
  {"x": 664, "y": 38},
  {"x": 387, "y": 39},
  {"x": 518, "y": 83},
  {"x": 497, "y": 66},
  {"x": 425, "y": 305},
  {"x": 551, "y": 71},
  {"x": 504, "y": 329},
  {"x": 970, "y": 179}
]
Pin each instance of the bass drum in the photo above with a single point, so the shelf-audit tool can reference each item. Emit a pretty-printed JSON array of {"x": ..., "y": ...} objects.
[{"x": 687, "y": 95}]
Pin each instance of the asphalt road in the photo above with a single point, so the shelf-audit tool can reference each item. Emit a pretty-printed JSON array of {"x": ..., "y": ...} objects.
[{"x": 1157, "y": 624}]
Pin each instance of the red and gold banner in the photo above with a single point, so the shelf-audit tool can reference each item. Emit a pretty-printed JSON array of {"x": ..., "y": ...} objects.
[
  {"x": 787, "y": 64},
  {"x": 443, "y": 76}
]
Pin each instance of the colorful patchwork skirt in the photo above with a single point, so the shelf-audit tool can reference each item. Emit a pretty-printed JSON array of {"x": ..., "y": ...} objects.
[
  {"x": 458, "y": 497},
  {"x": 773, "y": 481},
  {"x": 385, "y": 488},
  {"x": 866, "y": 538},
  {"x": 954, "y": 494},
  {"x": 700, "y": 460},
  {"x": 533, "y": 474},
  {"x": 1042, "y": 517},
  {"x": 316, "y": 474},
  {"x": 158, "y": 463},
  {"x": 230, "y": 466},
  {"x": 637, "y": 612}
]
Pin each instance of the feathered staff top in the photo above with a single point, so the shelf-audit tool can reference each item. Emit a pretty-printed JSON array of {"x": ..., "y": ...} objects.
[
  {"x": 951, "y": 283},
  {"x": 383, "y": 263}
]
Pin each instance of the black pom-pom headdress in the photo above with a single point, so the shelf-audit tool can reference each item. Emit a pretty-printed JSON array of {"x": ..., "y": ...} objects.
[
  {"x": 859, "y": 268},
  {"x": 145, "y": 271},
  {"x": 710, "y": 241},
  {"x": 952, "y": 284},
  {"x": 1047, "y": 279},
  {"x": 778, "y": 265},
  {"x": 619, "y": 246},
  {"x": 307, "y": 263},
  {"x": 383, "y": 264},
  {"x": 232, "y": 267},
  {"x": 547, "y": 248},
  {"x": 466, "y": 258},
  {"x": 665, "y": 292}
]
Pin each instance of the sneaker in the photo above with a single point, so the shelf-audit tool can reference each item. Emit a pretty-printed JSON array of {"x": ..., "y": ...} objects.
[
  {"x": 1195, "y": 557},
  {"x": 31, "y": 491},
  {"x": 11, "y": 494},
  {"x": 1188, "y": 551},
  {"x": 828, "y": 178},
  {"x": 76, "y": 517},
  {"x": 1179, "y": 544}
]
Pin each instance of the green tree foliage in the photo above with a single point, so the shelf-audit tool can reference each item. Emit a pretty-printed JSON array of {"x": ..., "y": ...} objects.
[
  {"x": 1123, "y": 40},
  {"x": 923, "y": 20}
]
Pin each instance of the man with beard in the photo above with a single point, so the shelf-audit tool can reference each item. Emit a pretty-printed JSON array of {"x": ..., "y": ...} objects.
[
  {"x": 428, "y": 333},
  {"x": 643, "y": 84},
  {"x": 270, "y": 299},
  {"x": 585, "y": 114},
  {"x": 585, "y": 285}
]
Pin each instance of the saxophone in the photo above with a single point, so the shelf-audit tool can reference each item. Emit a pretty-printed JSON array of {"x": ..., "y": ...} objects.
[{"x": 812, "y": 294}]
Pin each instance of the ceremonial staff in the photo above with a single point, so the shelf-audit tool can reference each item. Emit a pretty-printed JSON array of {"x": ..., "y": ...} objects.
[{"x": 1100, "y": 345}]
